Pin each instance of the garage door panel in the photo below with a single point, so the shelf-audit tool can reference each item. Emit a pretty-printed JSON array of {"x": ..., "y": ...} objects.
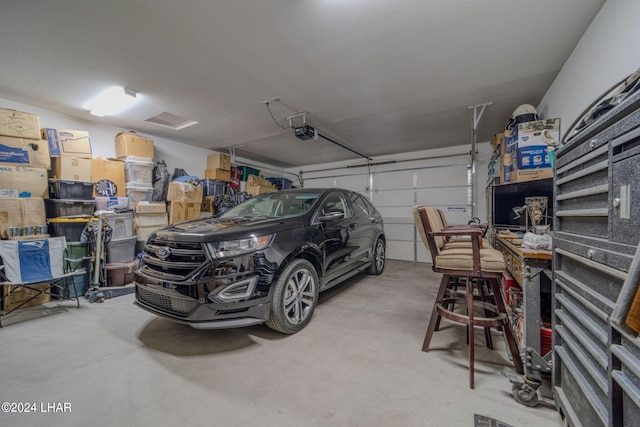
[
  {"x": 393, "y": 180},
  {"x": 457, "y": 215},
  {"x": 391, "y": 213},
  {"x": 422, "y": 254},
  {"x": 402, "y": 251},
  {"x": 402, "y": 197},
  {"x": 434, "y": 177},
  {"x": 353, "y": 182},
  {"x": 328, "y": 182},
  {"x": 442, "y": 196},
  {"x": 395, "y": 231},
  {"x": 441, "y": 182}
]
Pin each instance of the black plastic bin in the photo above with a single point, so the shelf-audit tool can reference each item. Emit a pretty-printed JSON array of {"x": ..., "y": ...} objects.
[
  {"x": 66, "y": 207},
  {"x": 66, "y": 189},
  {"x": 213, "y": 187}
]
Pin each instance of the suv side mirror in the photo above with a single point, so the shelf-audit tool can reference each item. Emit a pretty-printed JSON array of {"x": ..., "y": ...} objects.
[{"x": 331, "y": 215}]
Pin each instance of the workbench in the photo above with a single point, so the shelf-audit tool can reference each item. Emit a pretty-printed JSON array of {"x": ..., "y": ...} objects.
[{"x": 532, "y": 271}]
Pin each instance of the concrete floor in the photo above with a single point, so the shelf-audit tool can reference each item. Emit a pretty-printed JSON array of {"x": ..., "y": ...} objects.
[{"x": 357, "y": 364}]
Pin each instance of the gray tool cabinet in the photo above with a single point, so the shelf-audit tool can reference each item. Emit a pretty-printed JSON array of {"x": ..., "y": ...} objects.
[{"x": 596, "y": 363}]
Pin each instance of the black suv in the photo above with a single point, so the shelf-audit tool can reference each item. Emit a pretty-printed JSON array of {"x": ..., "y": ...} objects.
[{"x": 264, "y": 260}]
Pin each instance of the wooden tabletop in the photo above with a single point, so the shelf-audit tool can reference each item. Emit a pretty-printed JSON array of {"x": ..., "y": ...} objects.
[{"x": 514, "y": 243}]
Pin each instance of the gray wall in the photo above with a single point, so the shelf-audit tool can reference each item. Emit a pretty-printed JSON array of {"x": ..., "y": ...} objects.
[{"x": 607, "y": 52}]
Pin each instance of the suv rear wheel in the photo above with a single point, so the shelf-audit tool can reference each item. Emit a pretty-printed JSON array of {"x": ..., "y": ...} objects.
[
  {"x": 377, "y": 265},
  {"x": 294, "y": 298}
]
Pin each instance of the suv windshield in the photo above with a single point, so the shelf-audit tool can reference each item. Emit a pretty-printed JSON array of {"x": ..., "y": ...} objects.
[{"x": 274, "y": 205}]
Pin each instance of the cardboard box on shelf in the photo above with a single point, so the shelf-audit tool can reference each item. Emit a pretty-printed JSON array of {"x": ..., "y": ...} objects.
[
  {"x": 111, "y": 170},
  {"x": 132, "y": 144},
  {"x": 72, "y": 168},
  {"x": 257, "y": 185},
  {"x": 33, "y": 211},
  {"x": 497, "y": 141},
  {"x": 143, "y": 233},
  {"x": 19, "y": 124},
  {"x": 184, "y": 192},
  {"x": 534, "y": 138},
  {"x": 219, "y": 174},
  {"x": 219, "y": 161},
  {"x": 150, "y": 207},
  {"x": 25, "y": 152},
  {"x": 67, "y": 142},
  {"x": 14, "y": 295},
  {"x": 236, "y": 177},
  {"x": 522, "y": 175},
  {"x": 10, "y": 215},
  {"x": 25, "y": 179},
  {"x": 151, "y": 220},
  {"x": 182, "y": 211},
  {"x": 21, "y": 212},
  {"x": 208, "y": 204}
]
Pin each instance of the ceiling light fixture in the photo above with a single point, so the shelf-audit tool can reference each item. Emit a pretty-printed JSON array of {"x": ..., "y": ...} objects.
[{"x": 112, "y": 101}]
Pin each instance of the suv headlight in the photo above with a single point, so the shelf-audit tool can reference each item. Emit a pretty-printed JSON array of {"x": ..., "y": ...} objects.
[{"x": 230, "y": 248}]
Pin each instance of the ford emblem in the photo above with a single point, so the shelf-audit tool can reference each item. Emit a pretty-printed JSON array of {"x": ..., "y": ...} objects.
[{"x": 163, "y": 253}]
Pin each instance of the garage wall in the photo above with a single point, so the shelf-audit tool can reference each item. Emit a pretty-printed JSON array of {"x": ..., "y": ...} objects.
[
  {"x": 440, "y": 178},
  {"x": 175, "y": 154},
  {"x": 606, "y": 53},
  {"x": 191, "y": 159}
]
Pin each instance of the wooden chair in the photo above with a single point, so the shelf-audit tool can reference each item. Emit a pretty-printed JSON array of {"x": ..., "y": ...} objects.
[{"x": 474, "y": 265}]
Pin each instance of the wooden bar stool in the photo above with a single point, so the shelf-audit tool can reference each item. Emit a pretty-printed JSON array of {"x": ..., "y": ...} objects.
[{"x": 480, "y": 268}]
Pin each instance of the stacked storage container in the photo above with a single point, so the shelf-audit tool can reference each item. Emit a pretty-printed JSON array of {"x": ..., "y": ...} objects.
[
  {"x": 121, "y": 249},
  {"x": 137, "y": 153},
  {"x": 69, "y": 209},
  {"x": 149, "y": 217}
]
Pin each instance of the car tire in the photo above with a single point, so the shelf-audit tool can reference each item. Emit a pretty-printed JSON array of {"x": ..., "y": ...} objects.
[
  {"x": 295, "y": 297},
  {"x": 377, "y": 264}
]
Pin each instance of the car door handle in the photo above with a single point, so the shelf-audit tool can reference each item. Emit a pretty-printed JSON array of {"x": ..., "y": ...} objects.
[{"x": 373, "y": 220}]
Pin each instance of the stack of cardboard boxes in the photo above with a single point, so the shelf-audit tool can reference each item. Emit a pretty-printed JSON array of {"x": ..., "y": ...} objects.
[
  {"x": 185, "y": 200},
  {"x": 525, "y": 152}
]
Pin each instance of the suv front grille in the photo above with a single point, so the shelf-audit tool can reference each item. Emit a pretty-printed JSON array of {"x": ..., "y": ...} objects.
[
  {"x": 179, "y": 259},
  {"x": 173, "y": 304}
]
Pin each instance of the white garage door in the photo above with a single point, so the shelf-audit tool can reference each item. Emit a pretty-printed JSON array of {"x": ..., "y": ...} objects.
[{"x": 395, "y": 188}]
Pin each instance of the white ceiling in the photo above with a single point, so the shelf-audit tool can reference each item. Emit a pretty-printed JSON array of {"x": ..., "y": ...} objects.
[{"x": 379, "y": 76}]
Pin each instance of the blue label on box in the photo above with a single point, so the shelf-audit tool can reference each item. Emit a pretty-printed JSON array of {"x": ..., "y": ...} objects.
[
  {"x": 533, "y": 157},
  {"x": 13, "y": 155},
  {"x": 54, "y": 144}
]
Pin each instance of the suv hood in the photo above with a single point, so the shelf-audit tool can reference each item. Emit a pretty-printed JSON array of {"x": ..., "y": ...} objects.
[{"x": 218, "y": 229}]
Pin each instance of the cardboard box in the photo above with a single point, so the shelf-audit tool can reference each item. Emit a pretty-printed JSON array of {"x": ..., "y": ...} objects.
[
  {"x": 32, "y": 211},
  {"x": 13, "y": 295},
  {"x": 219, "y": 161},
  {"x": 10, "y": 214},
  {"x": 132, "y": 144},
  {"x": 236, "y": 177},
  {"x": 150, "y": 208},
  {"x": 19, "y": 124},
  {"x": 110, "y": 170},
  {"x": 522, "y": 175},
  {"x": 21, "y": 211},
  {"x": 497, "y": 141},
  {"x": 67, "y": 142},
  {"x": 182, "y": 211},
  {"x": 219, "y": 174},
  {"x": 151, "y": 220},
  {"x": 508, "y": 154},
  {"x": 143, "y": 233},
  {"x": 25, "y": 152},
  {"x": 184, "y": 192},
  {"x": 208, "y": 204},
  {"x": 73, "y": 168},
  {"x": 534, "y": 138},
  {"x": 25, "y": 179}
]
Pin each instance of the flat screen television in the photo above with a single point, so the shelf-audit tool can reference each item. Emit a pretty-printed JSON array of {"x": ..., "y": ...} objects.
[{"x": 505, "y": 197}]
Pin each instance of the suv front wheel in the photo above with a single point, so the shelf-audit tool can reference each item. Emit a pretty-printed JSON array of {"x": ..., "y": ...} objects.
[{"x": 294, "y": 298}]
